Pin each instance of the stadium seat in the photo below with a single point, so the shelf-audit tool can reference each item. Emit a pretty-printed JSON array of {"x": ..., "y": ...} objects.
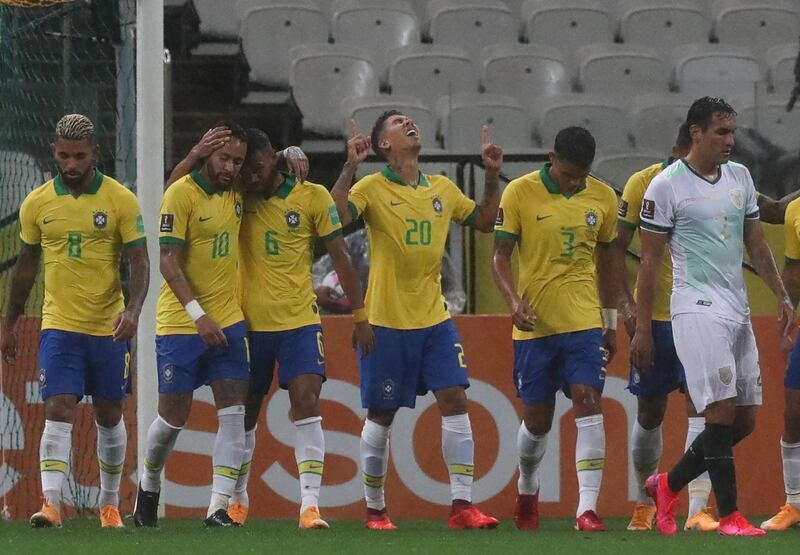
[
  {"x": 270, "y": 31},
  {"x": 321, "y": 75},
  {"x": 377, "y": 25},
  {"x": 776, "y": 124},
  {"x": 601, "y": 115},
  {"x": 217, "y": 19},
  {"x": 781, "y": 60},
  {"x": 617, "y": 168},
  {"x": 443, "y": 70},
  {"x": 366, "y": 109},
  {"x": 461, "y": 118},
  {"x": 620, "y": 70},
  {"x": 756, "y": 24},
  {"x": 656, "y": 119},
  {"x": 717, "y": 70},
  {"x": 567, "y": 24},
  {"x": 663, "y": 25},
  {"x": 471, "y": 24},
  {"x": 527, "y": 72}
]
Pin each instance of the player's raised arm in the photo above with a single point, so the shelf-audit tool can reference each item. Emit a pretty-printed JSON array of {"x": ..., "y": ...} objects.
[
  {"x": 492, "y": 156},
  {"x": 296, "y": 161},
  {"x": 213, "y": 139},
  {"x": 774, "y": 211},
  {"x": 358, "y": 146},
  {"x": 653, "y": 244},
  {"x": 25, "y": 270}
]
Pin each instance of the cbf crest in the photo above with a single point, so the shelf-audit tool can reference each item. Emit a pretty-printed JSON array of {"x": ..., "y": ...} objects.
[
  {"x": 437, "y": 206},
  {"x": 238, "y": 208},
  {"x": 292, "y": 219},
  {"x": 100, "y": 219},
  {"x": 737, "y": 197},
  {"x": 591, "y": 219}
]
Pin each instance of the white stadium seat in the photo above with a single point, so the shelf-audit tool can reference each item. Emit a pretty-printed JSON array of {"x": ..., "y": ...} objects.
[
  {"x": 321, "y": 75},
  {"x": 377, "y": 25},
  {"x": 756, "y": 24},
  {"x": 567, "y": 24},
  {"x": 527, "y": 72},
  {"x": 656, "y": 119},
  {"x": 621, "y": 70},
  {"x": 663, "y": 25},
  {"x": 471, "y": 24},
  {"x": 781, "y": 60},
  {"x": 217, "y": 18},
  {"x": 776, "y": 124},
  {"x": 717, "y": 70},
  {"x": 602, "y": 116},
  {"x": 366, "y": 109},
  {"x": 617, "y": 168},
  {"x": 270, "y": 31},
  {"x": 463, "y": 115},
  {"x": 444, "y": 71}
]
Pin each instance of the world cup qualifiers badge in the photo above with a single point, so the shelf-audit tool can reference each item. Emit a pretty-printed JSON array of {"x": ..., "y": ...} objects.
[{"x": 100, "y": 219}]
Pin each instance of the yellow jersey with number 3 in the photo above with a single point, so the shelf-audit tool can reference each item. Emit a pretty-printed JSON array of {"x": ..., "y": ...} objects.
[
  {"x": 81, "y": 239},
  {"x": 630, "y": 205},
  {"x": 556, "y": 235},
  {"x": 407, "y": 229},
  {"x": 206, "y": 223},
  {"x": 277, "y": 241}
]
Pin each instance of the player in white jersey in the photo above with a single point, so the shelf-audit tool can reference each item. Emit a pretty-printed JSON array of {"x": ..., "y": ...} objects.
[{"x": 706, "y": 207}]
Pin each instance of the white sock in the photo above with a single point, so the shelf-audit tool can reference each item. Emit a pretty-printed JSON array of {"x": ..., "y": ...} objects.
[
  {"x": 700, "y": 487},
  {"x": 590, "y": 456},
  {"x": 531, "y": 450},
  {"x": 790, "y": 453},
  {"x": 309, "y": 453},
  {"x": 240, "y": 491},
  {"x": 227, "y": 456},
  {"x": 161, "y": 438},
  {"x": 54, "y": 450},
  {"x": 111, "y": 444},
  {"x": 646, "y": 447},
  {"x": 374, "y": 462},
  {"x": 458, "y": 450}
]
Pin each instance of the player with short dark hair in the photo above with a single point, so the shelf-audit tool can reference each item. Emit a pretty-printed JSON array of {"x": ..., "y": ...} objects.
[
  {"x": 706, "y": 207},
  {"x": 201, "y": 336},
  {"x": 83, "y": 222},
  {"x": 417, "y": 348},
  {"x": 564, "y": 223}
]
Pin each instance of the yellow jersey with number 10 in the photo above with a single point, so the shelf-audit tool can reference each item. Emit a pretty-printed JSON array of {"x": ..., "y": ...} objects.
[
  {"x": 556, "y": 235},
  {"x": 407, "y": 229}
]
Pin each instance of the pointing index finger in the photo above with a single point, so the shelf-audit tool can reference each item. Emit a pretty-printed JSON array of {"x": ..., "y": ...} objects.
[
  {"x": 485, "y": 135},
  {"x": 353, "y": 128}
]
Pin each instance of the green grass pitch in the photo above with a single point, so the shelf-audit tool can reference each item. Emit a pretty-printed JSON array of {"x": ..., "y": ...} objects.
[{"x": 348, "y": 537}]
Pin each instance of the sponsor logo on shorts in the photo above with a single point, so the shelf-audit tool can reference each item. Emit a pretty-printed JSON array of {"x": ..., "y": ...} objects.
[
  {"x": 388, "y": 388},
  {"x": 167, "y": 223},
  {"x": 648, "y": 209},
  {"x": 42, "y": 378},
  {"x": 726, "y": 375},
  {"x": 622, "y": 211},
  {"x": 168, "y": 373},
  {"x": 636, "y": 377}
]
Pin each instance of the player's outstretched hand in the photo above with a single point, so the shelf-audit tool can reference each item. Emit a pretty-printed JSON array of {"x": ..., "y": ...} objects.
[
  {"x": 629, "y": 317},
  {"x": 610, "y": 344},
  {"x": 8, "y": 344},
  {"x": 210, "y": 332},
  {"x": 491, "y": 154},
  {"x": 214, "y": 138},
  {"x": 358, "y": 146},
  {"x": 522, "y": 315},
  {"x": 125, "y": 326},
  {"x": 642, "y": 351},
  {"x": 363, "y": 338},
  {"x": 296, "y": 161}
]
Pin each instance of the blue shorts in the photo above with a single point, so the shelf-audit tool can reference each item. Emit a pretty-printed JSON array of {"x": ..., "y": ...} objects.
[
  {"x": 667, "y": 373},
  {"x": 543, "y": 366},
  {"x": 79, "y": 364},
  {"x": 407, "y": 363},
  {"x": 792, "y": 378},
  {"x": 298, "y": 351},
  {"x": 185, "y": 362}
]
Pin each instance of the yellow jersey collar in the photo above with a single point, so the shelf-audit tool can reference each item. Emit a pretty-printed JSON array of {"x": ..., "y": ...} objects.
[
  {"x": 551, "y": 186},
  {"x": 667, "y": 162},
  {"x": 201, "y": 181},
  {"x": 289, "y": 181},
  {"x": 91, "y": 189},
  {"x": 389, "y": 174}
]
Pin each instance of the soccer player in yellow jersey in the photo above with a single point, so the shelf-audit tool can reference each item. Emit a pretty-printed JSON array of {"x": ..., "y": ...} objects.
[
  {"x": 82, "y": 221},
  {"x": 417, "y": 348},
  {"x": 564, "y": 222},
  {"x": 201, "y": 334}
]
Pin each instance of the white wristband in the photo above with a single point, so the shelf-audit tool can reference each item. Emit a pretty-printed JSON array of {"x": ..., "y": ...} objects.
[
  {"x": 194, "y": 310},
  {"x": 609, "y": 318}
]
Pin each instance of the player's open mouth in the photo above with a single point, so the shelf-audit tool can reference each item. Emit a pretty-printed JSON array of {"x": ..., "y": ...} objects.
[{"x": 412, "y": 133}]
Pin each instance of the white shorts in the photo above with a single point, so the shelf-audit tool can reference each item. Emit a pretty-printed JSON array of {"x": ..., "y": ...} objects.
[{"x": 720, "y": 359}]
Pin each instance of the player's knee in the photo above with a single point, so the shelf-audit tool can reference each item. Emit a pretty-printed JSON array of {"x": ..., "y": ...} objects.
[
  {"x": 538, "y": 425},
  {"x": 382, "y": 417},
  {"x": 650, "y": 414}
]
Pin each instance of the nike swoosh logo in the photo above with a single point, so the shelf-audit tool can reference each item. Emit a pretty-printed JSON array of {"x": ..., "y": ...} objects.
[
  {"x": 48, "y": 466},
  {"x": 202, "y": 219},
  {"x": 540, "y": 218},
  {"x": 393, "y": 203},
  {"x": 46, "y": 221}
]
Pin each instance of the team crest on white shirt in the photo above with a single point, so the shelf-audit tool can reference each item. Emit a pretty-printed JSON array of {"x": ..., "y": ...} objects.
[{"x": 737, "y": 197}]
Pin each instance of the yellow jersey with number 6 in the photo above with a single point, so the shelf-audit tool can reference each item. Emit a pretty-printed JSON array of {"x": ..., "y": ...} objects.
[
  {"x": 407, "y": 229},
  {"x": 556, "y": 235}
]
